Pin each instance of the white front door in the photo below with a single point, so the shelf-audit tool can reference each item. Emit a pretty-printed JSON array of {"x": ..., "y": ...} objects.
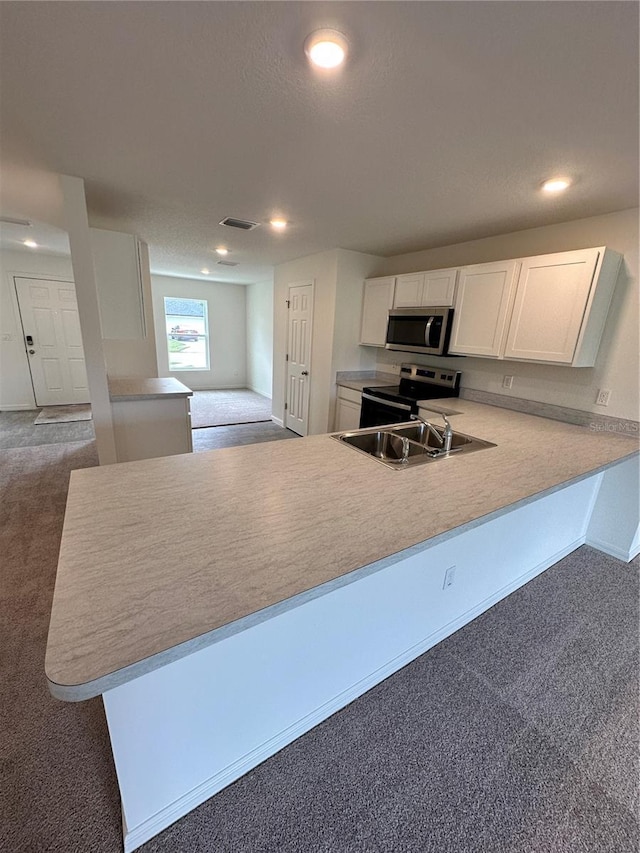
[
  {"x": 299, "y": 357},
  {"x": 53, "y": 341}
]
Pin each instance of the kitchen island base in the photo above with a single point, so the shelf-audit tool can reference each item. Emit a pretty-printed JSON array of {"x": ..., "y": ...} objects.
[{"x": 184, "y": 731}]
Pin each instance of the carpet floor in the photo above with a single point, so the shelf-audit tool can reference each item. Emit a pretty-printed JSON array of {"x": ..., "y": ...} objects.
[
  {"x": 17, "y": 429},
  {"x": 235, "y": 406},
  {"x": 517, "y": 734}
]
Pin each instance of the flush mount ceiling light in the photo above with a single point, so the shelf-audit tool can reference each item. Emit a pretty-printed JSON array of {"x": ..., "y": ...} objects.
[
  {"x": 278, "y": 224},
  {"x": 204, "y": 271},
  {"x": 222, "y": 251},
  {"x": 30, "y": 243},
  {"x": 556, "y": 185},
  {"x": 326, "y": 48}
]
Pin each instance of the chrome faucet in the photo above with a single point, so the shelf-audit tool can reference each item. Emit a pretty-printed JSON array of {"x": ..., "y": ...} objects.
[{"x": 447, "y": 434}]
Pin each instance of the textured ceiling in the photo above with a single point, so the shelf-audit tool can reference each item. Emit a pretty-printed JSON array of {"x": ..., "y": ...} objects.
[{"x": 441, "y": 127}]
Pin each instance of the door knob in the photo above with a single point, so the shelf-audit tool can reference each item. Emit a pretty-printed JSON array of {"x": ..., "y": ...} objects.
[
  {"x": 32, "y": 352},
  {"x": 305, "y": 373}
]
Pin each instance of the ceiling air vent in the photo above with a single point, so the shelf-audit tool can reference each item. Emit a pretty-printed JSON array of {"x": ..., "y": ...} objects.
[
  {"x": 242, "y": 224},
  {"x": 228, "y": 263}
]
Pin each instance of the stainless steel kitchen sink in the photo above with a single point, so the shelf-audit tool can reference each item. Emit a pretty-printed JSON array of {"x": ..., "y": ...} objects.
[{"x": 408, "y": 444}]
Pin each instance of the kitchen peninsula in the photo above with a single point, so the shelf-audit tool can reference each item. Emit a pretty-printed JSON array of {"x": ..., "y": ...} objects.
[{"x": 272, "y": 584}]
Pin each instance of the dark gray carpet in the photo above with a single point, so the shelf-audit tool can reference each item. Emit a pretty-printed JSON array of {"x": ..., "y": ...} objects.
[
  {"x": 517, "y": 734},
  {"x": 17, "y": 429},
  {"x": 212, "y": 438}
]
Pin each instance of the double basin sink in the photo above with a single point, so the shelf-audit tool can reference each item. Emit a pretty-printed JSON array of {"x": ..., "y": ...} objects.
[{"x": 402, "y": 445}]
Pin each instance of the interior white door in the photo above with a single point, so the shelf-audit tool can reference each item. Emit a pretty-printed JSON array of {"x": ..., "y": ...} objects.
[
  {"x": 53, "y": 340},
  {"x": 299, "y": 357}
]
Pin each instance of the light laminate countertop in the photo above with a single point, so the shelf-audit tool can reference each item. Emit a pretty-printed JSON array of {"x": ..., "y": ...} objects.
[
  {"x": 374, "y": 379},
  {"x": 135, "y": 388},
  {"x": 164, "y": 556}
]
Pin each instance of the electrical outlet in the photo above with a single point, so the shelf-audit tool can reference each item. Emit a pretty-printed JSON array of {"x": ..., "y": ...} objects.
[
  {"x": 507, "y": 381},
  {"x": 449, "y": 577},
  {"x": 603, "y": 397}
]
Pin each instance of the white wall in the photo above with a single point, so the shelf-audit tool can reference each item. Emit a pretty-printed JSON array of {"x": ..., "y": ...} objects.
[
  {"x": 617, "y": 366},
  {"x": 16, "y": 390},
  {"x": 226, "y": 305},
  {"x": 259, "y": 299},
  {"x": 347, "y": 354}
]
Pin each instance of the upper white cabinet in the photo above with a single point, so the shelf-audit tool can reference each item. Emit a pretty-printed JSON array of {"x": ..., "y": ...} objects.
[
  {"x": 426, "y": 289},
  {"x": 377, "y": 299},
  {"x": 117, "y": 264},
  {"x": 549, "y": 308},
  {"x": 483, "y": 303},
  {"x": 560, "y": 307}
]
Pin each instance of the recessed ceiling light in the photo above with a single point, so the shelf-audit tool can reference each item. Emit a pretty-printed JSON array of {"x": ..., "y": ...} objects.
[
  {"x": 204, "y": 271},
  {"x": 556, "y": 185},
  {"x": 30, "y": 243},
  {"x": 222, "y": 251},
  {"x": 278, "y": 224},
  {"x": 326, "y": 48}
]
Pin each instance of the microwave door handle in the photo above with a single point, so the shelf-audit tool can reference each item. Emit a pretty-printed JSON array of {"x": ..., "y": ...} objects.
[{"x": 427, "y": 331}]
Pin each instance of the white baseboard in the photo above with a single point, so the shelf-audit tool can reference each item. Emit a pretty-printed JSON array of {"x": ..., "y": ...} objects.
[
  {"x": 278, "y": 421},
  {"x": 182, "y": 806},
  {"x": 613, "y": 550},
  {"x": 258, "y": 391},
  {"x": 20, "y": 407}
]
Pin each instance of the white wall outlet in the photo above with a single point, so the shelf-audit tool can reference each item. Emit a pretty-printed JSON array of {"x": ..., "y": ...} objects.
[
  {"x": 603, "y": 397},
  {"x": 507, "y": 381},
  {"x": 449, "y": 577}
]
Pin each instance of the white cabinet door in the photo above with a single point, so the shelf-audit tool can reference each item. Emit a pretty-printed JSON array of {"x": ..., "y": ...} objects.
[
  {"x": 347, "y": 415},
  {"x": 550, "y": 305},
  {"x": 483, "y": 304},
  {"x": 116, "y": 262},
  {"x": 376, "y": 301},
  {"x": 439, "y": 288},
  {"x": 409, "y": 290}
]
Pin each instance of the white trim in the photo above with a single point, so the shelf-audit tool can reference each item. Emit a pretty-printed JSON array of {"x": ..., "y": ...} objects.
[
  {"x": 20, "y": 407},
  {"x": 179, "y": 808},
  {"x": 277, "y": 421},
  {"x": 613, "y": 550}
]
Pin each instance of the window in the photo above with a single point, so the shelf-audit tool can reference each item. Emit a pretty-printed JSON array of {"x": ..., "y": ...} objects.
[{"x": 187, "y": 333}]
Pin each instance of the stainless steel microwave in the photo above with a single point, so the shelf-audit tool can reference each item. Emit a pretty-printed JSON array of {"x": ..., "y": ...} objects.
[{"x": 424, "y": 330}]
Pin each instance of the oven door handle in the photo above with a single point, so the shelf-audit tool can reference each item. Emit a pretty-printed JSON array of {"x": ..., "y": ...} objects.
[
  {"x": 402, "y": 406},
  {"x": 427, "y": 331}
]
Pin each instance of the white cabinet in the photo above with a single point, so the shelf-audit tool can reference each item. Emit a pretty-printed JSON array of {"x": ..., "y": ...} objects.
[
  {"x": 348, "y": 406},
  {"x": 560, "y": 307},
  {"x": 117, "y": 264},
  {"x": 481, "y": 314},
  {"x": 377, "y": 299},
  {"x": 151, "y": 418},
  {"x": 434, "y": 288},
  {"x": 548, "y": 308}
]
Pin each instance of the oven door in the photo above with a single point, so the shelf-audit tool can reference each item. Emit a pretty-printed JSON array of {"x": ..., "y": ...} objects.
[{"x": 377, "y": 412}]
